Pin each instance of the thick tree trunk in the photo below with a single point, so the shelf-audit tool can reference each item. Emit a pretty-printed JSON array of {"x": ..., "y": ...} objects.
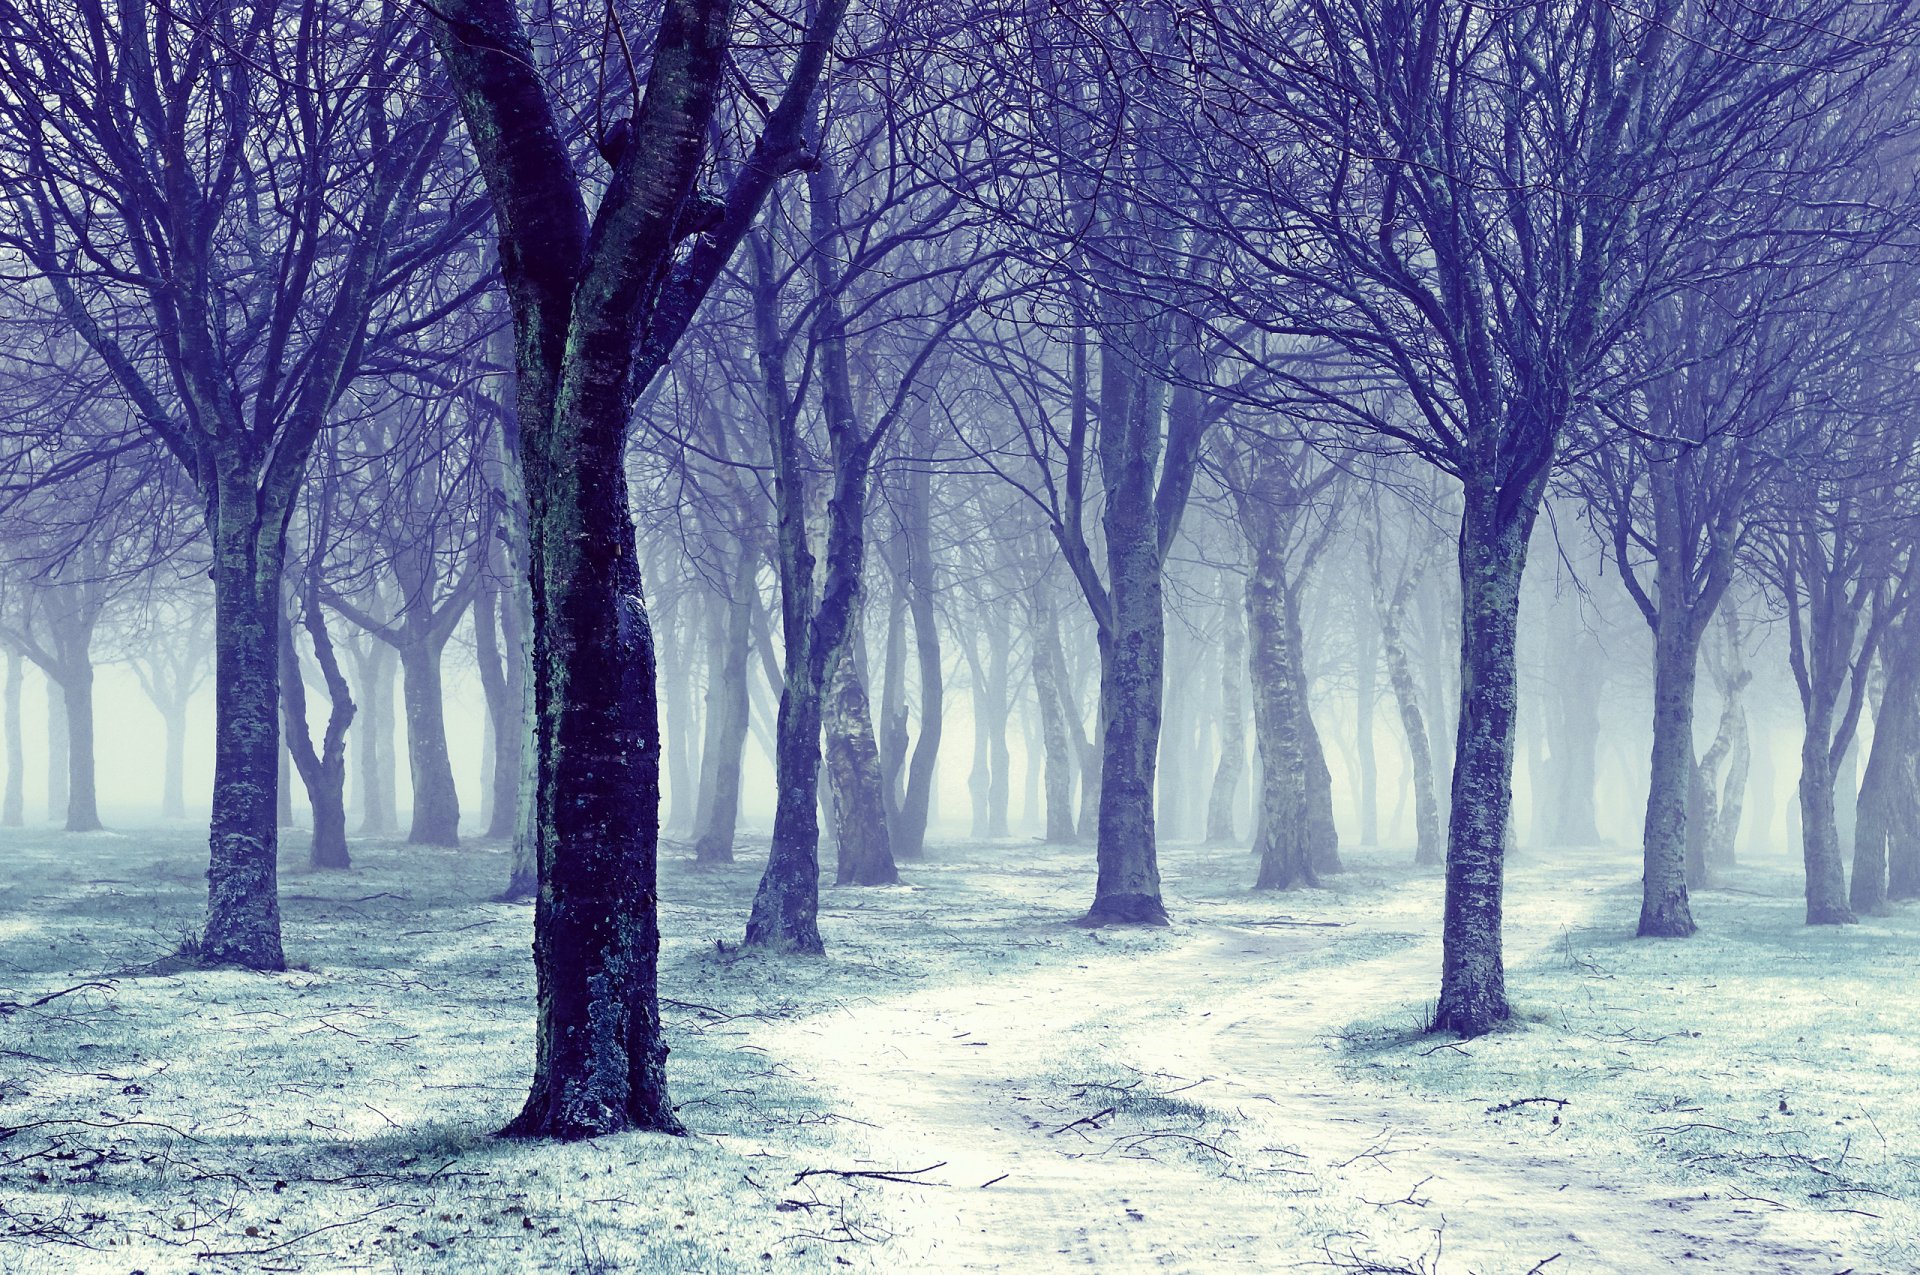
[
  {"x": 1887, "y": 803},
  {"x": 1323, "y": 838},
  {"x": 786, "y": 905},
  {"x": 243, "y": 901},
  {"x": 76, "y": 686},
  {"x": 436, "y": 802},
  {"x": 1819, "y": 830},
  {"x": 853, "y": 774},
  {"x": 1131, "y": 653},
  {"x": 13, "y": 805},
  {"x": 1664, "y": 909},
  {"x": 1494, "y": 529},
  {"x": 1223, "y": 802},
  {"x": 1283, "y": 838}
]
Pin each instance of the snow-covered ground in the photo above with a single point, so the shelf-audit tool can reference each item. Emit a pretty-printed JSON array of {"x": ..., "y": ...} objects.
[{"x": 1245, "y": 1090}]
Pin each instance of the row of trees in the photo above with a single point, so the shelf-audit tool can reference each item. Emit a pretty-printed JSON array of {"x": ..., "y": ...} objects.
[{"x": 391, "y": 314}]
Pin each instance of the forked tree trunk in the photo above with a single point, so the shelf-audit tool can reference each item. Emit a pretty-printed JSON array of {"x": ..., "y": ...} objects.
[
  {"x": 322, "y": 770},
  {"x": 1127, "y": 890},
  {"x": 1494, "y": 529},
  {"x": 853, "y": 774},
  {"x": 1819, "y": 830},
  {"x": 1283, "y": 838}
]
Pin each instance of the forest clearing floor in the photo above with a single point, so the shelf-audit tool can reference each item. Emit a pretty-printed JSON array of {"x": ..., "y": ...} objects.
[{"x": 966, "y": 1082}]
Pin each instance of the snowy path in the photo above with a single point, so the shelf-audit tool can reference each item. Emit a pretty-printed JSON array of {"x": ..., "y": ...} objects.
[{"x": 971, "y": 1076}]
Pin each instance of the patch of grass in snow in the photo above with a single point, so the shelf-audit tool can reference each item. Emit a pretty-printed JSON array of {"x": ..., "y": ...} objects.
[{"x": 1761, "y": 1058}]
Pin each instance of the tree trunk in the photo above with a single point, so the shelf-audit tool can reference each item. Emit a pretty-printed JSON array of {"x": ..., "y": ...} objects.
[
  {"x": 1323, "y": 838},
  {"x": 1819, "y": 831},
  {"x": 1664, "y": 909},
  {"x": 1494, "y": 528},
  {"x": 374, "y": 756},
  {"x": 999, "y": 694},
  {"x": 59, "y": 775},
  {"x": 916, "y": 802},
  {"x": 678, "y": 724},
  {"x": 173, "y": 783},
  {"x": 1283, "y": 838},
  {"x": 1128, "y": 888},
  {"x": 323, "y": 771},
  {"x": 13, "y": 805},
  {"x": 505, "y": 696},
  {"x": 786, "y": 906},
  {"x": 243, "y": 901},
  {"x": 728, "y": 712},
  {"x": 76, "y": 686},
  {"x": 1223, "y": 802},
  {"x": 1887, "y": 800},
  {"x": 1053, "y": 725},
  {"x": 853, "y": 774},
  {"x": 979, "y": 774},
  {"x": 1368, "y": 696},
  {"x": 436, "y": 803}
]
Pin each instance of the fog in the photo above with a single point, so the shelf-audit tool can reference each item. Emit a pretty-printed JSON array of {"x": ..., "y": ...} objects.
[{"x": 659, "y": 635}]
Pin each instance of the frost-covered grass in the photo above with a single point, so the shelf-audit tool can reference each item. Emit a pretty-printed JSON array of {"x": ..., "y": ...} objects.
[
  {"x": 1242, "y": 1090},
  {"x": 1761, "y": 1060}
]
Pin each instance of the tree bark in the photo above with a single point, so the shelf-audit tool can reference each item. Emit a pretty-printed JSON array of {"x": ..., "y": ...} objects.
[
  {"x": 374, "y": 756},
  {"x": 76, "y": 689},
  {"x": 243, "y": 903},
  {"x": 1283, "y": 838},
  {"x": 916, "y": 802},
  {"x": 1664, "y": 909},
  {"x": 1053, "y": 725},
  {"x": 728, "y": 710},
  {"x": 1223, "y": 802},
  {"x": 853, "y": 774},
  {"x": 13, "y": 805},
  {"x": 1494, "y": 527},
  {"x": 436, "y": 802}
]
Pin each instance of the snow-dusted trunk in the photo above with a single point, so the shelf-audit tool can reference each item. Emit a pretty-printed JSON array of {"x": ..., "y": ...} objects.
[
  {"x": 1494, "y": 527},
  {"x": 243, "y": 901},
  {"x": 1664, "y": 910},
  {"x": 1283, "y": 837},
  {"x": 1819, "y": 830},
  {"x": 13, "y": 804},
  {"x": 1131, "y": 652},
  {"x": 853, "y": 775},
  {"x": 728, "y": 713},
  {"x": 1223, "y": 802},
  {"x": 436, "y": 802}
]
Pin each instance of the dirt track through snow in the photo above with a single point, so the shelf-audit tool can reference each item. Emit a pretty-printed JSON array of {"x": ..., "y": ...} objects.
[{"x": 1035, "y": 1177}]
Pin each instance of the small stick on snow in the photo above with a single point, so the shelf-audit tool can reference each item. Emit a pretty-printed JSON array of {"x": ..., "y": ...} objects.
[{"x": 908, "y": 1176}]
